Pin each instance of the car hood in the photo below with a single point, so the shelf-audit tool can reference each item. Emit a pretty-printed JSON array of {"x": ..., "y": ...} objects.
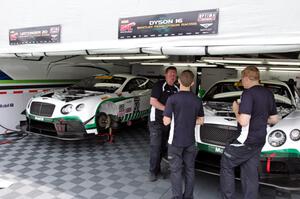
[
  {"x": 224, "y": 109},
  {"x": 295, "y": 115},
  {"x": 70, "y": 95}
]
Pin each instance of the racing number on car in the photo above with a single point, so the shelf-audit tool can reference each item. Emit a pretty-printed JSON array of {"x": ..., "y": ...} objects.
[{"x": 136, "y": 104}]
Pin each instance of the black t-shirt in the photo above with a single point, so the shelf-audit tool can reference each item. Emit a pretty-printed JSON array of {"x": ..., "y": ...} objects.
[
  {"x": 259, "y": 103},
  {"x": 161, "y": 91},
  {"x": 184, "y": 108}
]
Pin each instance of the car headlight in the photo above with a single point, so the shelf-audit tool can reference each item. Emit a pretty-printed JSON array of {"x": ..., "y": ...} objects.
[
  {"x": 277, "y": 138},
  {"x": 66, "y": 109},
  {"x": 295, "y": 134},
  {"x": 79, "y": 107}
]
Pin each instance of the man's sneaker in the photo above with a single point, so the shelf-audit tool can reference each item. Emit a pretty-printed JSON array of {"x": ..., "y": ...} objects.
[{"x": 152, "y": 177}]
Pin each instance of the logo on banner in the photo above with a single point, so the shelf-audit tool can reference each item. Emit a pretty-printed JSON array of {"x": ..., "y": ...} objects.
[
  {"x": 126, "y": 27},
  {"x": 206, "y": 25},
  {"x": 207, "y": 17}
]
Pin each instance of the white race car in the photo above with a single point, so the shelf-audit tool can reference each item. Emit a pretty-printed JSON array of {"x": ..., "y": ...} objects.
[
  {"x": 280, "y": 156},
  {"x": 91, "y": 106}
]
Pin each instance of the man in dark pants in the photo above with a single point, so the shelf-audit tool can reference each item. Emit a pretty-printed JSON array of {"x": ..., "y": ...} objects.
[
  {"x": 256, "y": 109},
  {"x": 158, "y": 132},
  {"x": 184, "y": 110}
]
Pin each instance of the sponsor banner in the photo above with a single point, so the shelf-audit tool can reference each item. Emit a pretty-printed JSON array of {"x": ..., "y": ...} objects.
[
  {"x": 35, "y": 35},
  {"x": 201, "y": 22}
]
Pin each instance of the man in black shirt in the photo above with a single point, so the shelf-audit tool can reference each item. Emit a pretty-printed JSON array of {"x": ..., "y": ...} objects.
[
  {"x": 158, "y": 132},
  {"x": 256, "y": 109},
  {"x": 183, "y": 110}
]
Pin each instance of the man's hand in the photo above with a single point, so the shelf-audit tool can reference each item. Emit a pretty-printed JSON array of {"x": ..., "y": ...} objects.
[
  {"x": 154, "y": 102},
  {"x": 200, "y": 121},
  {"x": 273, "y": 119},
  {"x": 166, "y": 120},
  {"x": 235, "y": 107}
]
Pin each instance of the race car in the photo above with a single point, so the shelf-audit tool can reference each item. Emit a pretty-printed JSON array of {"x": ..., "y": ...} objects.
[
  {"x": 280, "y": 157},
  {"x": 91, "y": 106}
]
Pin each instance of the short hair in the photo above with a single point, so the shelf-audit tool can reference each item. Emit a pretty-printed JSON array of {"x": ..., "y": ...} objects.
[
  {"x": 251, "y": 72},
  {"x": 187, "y": 78},
  {"x": 170, "y": 68}
]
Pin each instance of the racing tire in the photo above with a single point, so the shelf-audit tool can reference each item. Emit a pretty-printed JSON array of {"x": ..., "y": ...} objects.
[{"x": 103, "y": 121}]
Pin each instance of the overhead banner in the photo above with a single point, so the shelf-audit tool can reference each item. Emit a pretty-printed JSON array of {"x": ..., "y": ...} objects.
[
  {"x": 35, "y": 35},
  {"x": 201, "y": 22}
]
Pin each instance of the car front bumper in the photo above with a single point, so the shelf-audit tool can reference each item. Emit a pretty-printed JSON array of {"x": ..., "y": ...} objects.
[{"x": 69, "y": 129}]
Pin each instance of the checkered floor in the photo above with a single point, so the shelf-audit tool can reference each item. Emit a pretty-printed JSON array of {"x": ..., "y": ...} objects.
[
  {"x": 45, "y": 168},
  {"x": 48, "y": 168}
]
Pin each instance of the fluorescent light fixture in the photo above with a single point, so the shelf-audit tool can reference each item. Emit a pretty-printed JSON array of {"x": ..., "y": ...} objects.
[
  {"x": 103, "y": 57},
  {"x": 284, "y": 69},
  {"x": 127, "y": 57},
  {"x": 272, "y": 69},
  {"x": 24, "y": 54},
  {"x": 153, "y": 64},
  {"x": 178, "y": 64},
  {"x": 65, "y": 53},
  {"x": 7, "y": 55},
  {"x": 220, "y": 60},
  {"x": 260, "y": 68},
  {"x": 146, "y": 57},
  {"x": 232, "y": 60},
  {"x": 283, "y": 62},
  {"x": 193, "y": 64}
]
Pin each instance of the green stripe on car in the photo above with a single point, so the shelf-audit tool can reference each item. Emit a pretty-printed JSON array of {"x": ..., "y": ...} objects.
[{"x": 281, "y": 153}]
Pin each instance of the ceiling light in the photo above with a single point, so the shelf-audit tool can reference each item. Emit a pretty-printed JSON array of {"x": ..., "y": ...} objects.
[
  {"x": 65, "y": 53},
  {"x": 146, "y": 57},
  {"x": 127, "y": 57},
  {"x": 232, "y": 60},
  {"x": 281, "y": 71},
  {"x": 284, "y": 69},
  {"x": 178, "y": 64},
  {"x": 224, "y": 60},
  {"x": 103, "y": 57},
  {"x": 279, "y": 62},
  {"x": 261, "y": 68},
  {"x": 153, "y": 64}
]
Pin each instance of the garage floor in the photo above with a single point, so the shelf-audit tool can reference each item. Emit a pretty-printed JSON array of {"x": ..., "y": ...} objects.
[{"x": 47, "y": 168}]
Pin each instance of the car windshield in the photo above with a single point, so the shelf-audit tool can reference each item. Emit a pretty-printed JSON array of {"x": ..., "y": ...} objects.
[
  {"x": 104, "y": 83},
  {"x": 230, "y": 91}
]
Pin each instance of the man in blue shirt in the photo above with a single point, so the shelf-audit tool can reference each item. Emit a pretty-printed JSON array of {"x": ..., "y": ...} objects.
[
  {"x": 256, "y": 109},
  {"x": 183, "y": 110},
  {"x": 158, "y": 132}
]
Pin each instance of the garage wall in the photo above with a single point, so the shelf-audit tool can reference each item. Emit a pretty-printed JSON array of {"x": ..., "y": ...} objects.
[{"x": 94, "y": 23}]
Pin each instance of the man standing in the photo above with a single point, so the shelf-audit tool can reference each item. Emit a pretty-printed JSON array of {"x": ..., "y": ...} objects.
[
  {"x": 256, "y": 109},
  {"x": 158, "y": 132},
  {"x": 184, "y": 110}
]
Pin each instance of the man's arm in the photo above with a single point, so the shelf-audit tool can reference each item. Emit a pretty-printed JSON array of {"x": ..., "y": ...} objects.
[
  {"x": 242, "y": 119},
  {"x": 156, "y": 104},
  {"x": 166, "y": 120},
  {"x": 200, "y": 120},
  {"x": 273, "y": 119}
]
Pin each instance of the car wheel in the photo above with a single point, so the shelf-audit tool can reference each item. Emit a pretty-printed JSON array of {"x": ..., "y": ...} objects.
[{"x": 103, "y": 121}]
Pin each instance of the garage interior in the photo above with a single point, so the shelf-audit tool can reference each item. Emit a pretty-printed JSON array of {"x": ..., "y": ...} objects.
[
  {"x": 102, "y": 38},
  {"x": 42, "y": 167}
]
